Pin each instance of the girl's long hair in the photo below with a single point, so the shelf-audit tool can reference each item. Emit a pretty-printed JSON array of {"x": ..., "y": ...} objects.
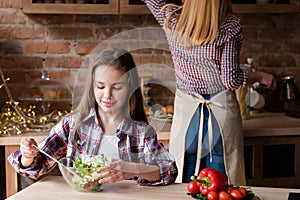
[
  {"x": 121, "y": 60},
  {"x": 199, "y": 20}
]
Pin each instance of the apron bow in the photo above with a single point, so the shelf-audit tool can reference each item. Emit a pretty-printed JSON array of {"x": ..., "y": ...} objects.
[{"x": 198, "y": 98}]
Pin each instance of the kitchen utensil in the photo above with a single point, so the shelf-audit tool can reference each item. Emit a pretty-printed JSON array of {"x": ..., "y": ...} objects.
[
  {"x": 59, "y": 163},
  {"x": 256, "y": 101},
  {"x": 290, "y": 90}
]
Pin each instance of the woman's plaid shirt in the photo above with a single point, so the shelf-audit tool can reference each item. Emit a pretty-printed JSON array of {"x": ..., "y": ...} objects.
[{"x": 204, "y": 69}]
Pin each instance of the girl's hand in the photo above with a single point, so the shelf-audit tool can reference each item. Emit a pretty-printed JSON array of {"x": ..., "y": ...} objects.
[
  {"x": 28, "y": 151},
  {"x": 116, "y": 170}
]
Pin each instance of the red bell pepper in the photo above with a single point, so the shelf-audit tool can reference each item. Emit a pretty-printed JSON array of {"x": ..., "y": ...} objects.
[{"x": 211, "y": 180}]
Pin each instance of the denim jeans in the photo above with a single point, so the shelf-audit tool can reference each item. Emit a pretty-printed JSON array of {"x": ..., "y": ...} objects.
[{"x": 191, "y": 145}]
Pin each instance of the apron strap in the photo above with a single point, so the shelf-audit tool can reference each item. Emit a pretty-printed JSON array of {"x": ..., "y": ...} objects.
[{"x": 198, "y": 98}]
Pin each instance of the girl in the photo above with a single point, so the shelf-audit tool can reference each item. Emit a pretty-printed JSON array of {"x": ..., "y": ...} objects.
[
  {"x": 110, "y": 120},
  {"x": 205, "y": 40}
]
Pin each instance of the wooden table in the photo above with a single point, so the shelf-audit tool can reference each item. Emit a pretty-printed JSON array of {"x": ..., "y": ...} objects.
[
  {"x": 272, "y": 144},
  {"x": 259, "y": 125},
  {"x": 54, "y": 187},
  {"x": 12, "y": 143}
]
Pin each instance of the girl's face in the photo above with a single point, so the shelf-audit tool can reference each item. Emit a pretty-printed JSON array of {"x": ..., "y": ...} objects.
[{"x": 110, "y": 89}]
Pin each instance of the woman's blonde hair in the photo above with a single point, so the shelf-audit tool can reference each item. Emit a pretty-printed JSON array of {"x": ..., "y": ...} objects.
[{"x": 199, "y": 20}]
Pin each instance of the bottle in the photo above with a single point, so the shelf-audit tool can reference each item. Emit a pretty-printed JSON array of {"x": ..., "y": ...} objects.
[
  {"x": 291, "y": 96},
  {"x": 242, "y": 94}
]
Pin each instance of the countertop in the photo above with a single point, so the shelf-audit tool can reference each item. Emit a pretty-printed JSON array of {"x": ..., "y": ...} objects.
[{"x": 54, "y": 187}]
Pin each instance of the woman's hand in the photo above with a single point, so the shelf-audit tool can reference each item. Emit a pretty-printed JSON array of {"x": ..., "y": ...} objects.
[
  {"x": 116, "y": 170},
  {"x": 28, "y": 151},
  {"x": 265, "y": 79}
]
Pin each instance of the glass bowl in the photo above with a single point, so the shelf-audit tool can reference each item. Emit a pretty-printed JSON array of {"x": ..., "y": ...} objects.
[{"x": 86, "y": 168}]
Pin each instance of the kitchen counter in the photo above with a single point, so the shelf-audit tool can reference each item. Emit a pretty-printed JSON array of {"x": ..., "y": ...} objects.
[
  {"x": 11, "y": 144},
  {"x": 51, "y": 186},
  {"x": 260, "y": 129},
  {"x": 271, "y": 124}
]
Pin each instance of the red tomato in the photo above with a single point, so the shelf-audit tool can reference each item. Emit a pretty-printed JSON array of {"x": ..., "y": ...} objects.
[
  {"x": 212, "y": 195},
  {"x": 228, "y": 189},
  {"x": 193, "y": 187},
  {"x": 224, "y": 196},
  {"x": 236, "y": 194},
  {"x": 243, "y": 191}
]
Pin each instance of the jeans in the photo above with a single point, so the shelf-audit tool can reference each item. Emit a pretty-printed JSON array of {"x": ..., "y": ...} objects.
[{"x": 191, "y": 145}]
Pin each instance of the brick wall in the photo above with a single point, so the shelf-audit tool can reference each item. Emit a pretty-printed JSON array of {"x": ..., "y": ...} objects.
[{"x": 60, "y": 43}]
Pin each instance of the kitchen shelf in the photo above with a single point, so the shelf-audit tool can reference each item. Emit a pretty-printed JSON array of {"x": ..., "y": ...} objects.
[
  {"x": 291, "y": 7},
  {"x": 126, "y": 7}
]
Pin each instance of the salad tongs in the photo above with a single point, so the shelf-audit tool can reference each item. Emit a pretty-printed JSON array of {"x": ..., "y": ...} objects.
[{"x": 55, "y": 160}]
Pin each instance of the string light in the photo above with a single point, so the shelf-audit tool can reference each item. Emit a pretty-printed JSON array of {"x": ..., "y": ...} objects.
[{"x": 16, "y": 119}]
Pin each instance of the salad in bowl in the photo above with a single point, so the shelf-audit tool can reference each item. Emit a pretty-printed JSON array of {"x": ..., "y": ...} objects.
[{"x": 85, "y": 170}]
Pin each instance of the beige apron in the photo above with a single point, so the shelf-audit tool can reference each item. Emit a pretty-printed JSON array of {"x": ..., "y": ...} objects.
[{"x": 226, "y": 111}]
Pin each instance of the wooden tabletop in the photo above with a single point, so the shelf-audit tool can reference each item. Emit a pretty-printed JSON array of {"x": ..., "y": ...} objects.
[
  {"x": 259, "y": 124},
  {"x": 54, "y": 187},
  {"x": 15, "y": 139},
  {"x": 271, "y": 124}
]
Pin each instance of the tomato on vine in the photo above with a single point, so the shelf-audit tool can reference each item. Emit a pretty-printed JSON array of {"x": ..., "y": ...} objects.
[{"x": 193, "y": 187}]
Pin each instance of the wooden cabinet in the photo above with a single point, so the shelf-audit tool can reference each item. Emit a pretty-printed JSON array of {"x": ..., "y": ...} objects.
[
  {"x": 288, "y": 6},
  {"x": 112, "y": 7},
  {"x": 137, "y": 7},
  {"x": 133, "y": 7},
  {"x": 272, "y": 150}
]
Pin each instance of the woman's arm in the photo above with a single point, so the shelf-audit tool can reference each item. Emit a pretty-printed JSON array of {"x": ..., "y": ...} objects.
[{"x": 155, "y": 8}]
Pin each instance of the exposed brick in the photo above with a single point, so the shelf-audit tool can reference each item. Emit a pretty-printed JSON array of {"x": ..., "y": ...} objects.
[
  {"x": 104, "y": 33},
  {"x": 11, "y": 18},
  {"x": 292, "y": 47},
  {"x": 277, "y": 34},
  {"x": 11, "y": 4},
  {"x": 101, "y": 20},
  {"x": 50, "y": 47},
  {"x": 249, "y": 33},
  {"x": 21, "y": 33},
  {"x": 10, "y": 47},
  {"x": 63, "y": 62},
  {"x": 51, "y": 19},
  {"x": 21, "y": 62},
  {"x": 277, "y": 61},
  {"x": 58, "y": 47},
  {"x": 137, "y": 20},
  {"x": 83, "y": 48},
  {"x": 16, "y": 76},
  {"x": 36, "y": 47},
  {"x": 70, "y": 33}
]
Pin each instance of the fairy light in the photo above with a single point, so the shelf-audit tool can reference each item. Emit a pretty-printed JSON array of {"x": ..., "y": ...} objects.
[{"x": 16, "y": 119}]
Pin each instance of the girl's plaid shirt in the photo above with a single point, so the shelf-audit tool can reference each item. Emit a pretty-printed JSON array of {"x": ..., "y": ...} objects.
[{"x": 138, "y": 143}]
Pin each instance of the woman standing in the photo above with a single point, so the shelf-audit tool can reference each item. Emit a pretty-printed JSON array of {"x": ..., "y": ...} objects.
[{"x": 205, "y": 39}]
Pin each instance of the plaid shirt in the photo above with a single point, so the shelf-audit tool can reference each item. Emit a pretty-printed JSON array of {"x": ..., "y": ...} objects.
[
  {"x": 204, "y": 69},
  {"x": 138, "y": 143}
]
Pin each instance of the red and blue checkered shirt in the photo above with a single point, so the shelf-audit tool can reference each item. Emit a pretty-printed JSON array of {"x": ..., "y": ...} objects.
[
  {"x": 138, "y": 143},
  {"x": 204, "y": 69}
]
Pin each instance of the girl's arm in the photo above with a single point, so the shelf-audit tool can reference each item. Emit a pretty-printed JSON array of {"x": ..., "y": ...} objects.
[
  {"x": 34, "y": 167},
  {"x": 118, "y": 170}
]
